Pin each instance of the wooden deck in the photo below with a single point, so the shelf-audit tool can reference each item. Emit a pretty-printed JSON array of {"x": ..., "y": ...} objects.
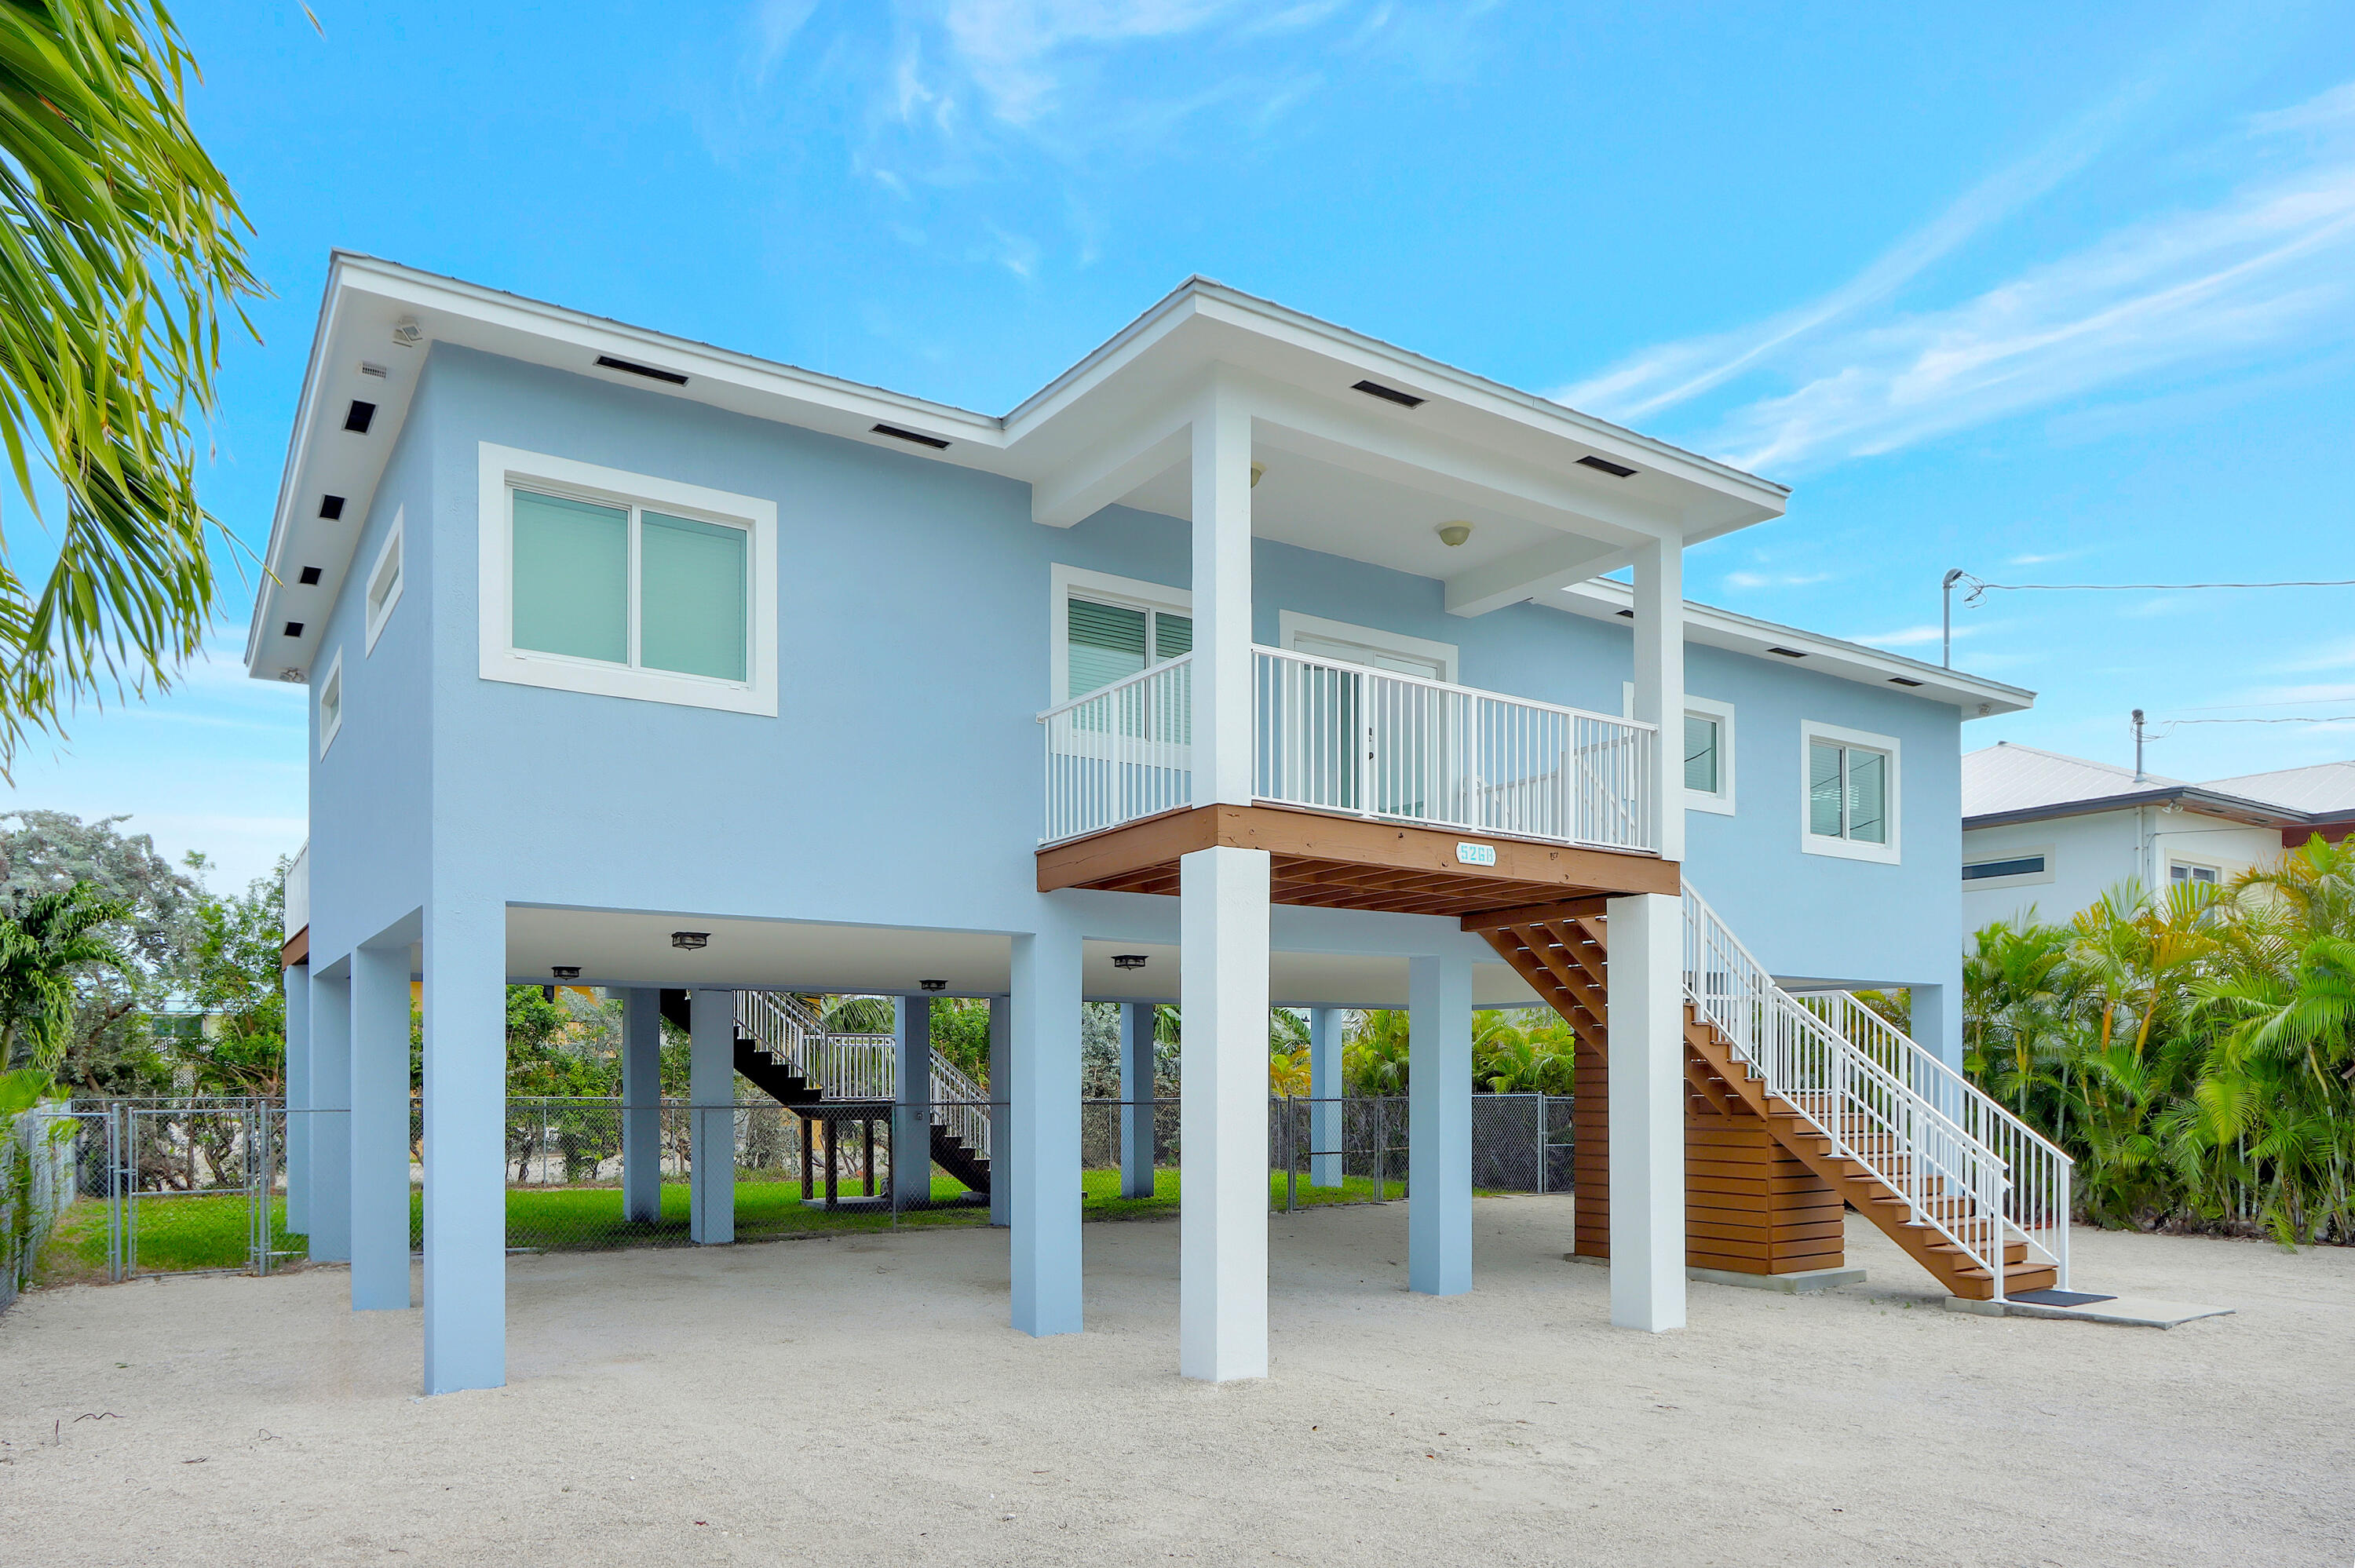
[{"x": 1343, "y": 863}]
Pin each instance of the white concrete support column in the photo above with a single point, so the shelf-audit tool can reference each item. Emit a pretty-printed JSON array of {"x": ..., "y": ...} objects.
[
  {"x": 1222, "y": 1114},
  {"x": 1325, "y": 1128},
  {"x": 1043, "y": 1155},
  {"x": 1001, "y": 1120},
  {"x": 330, "y": 1209},
  {"x": 1660, "y": 686},
  {"x": 1645, "y": 1018},
  {"x": 1223, "y": 602},
  {"x": 1439, "y": 1125},
  {"x": 642, "y": 1105},
  {"x": 911, "y": 1105},
  {"x": 711, "y": 1090},
  {"x": 297, "y": 978},
  {"x": 1138, "y": 1108},
  {"x": 465, "y": 1145},
  {"x": 379, "y": 1128}
]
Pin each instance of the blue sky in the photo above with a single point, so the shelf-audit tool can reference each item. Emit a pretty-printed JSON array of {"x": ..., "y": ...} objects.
[{"x": 2047, "y": 293}]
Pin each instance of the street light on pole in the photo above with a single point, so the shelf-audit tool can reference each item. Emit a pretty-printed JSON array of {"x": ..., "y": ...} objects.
[{"x": 1946, "y": 616}]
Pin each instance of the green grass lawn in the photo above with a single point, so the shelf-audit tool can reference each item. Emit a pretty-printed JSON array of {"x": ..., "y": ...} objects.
[{"x": 178, "y": 1234}]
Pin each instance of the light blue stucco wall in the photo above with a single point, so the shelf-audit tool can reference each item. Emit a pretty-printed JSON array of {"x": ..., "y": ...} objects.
[{"x": 900, "y": 784}]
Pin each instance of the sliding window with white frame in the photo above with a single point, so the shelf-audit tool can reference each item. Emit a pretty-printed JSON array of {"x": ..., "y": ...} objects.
[
  {"x": 1848, "y": 795},
  {"x": 624, "y": 585}
]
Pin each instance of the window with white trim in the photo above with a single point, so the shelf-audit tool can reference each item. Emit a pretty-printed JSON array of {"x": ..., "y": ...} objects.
[
  {"x": 626, "y": 585},
  {"x": 1707, "y": 750},
  {"x": 331, "y": 703},
  {"x": 1107, "y": 628},
  {"x": 384, "y": 581},
  {"x": 2189, "y": 872},
  {"x": 2006, "y": 865},
  {"x": 1849, "y": 804}
]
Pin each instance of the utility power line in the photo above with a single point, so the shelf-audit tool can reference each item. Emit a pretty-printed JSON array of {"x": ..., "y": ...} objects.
[{"x": 1980, "y": 585}]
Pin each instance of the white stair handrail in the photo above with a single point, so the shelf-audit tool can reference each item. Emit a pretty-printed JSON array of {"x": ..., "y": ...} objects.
[
  {"x": 1950, "y": 1181},
  {"x": 2037, "y": 1208}
]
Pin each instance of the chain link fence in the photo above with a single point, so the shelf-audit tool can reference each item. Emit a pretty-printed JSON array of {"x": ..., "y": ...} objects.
[{"x": 126, "y": 1188}]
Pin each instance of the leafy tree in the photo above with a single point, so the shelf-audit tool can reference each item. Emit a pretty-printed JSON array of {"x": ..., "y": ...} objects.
[
  {"x": 46, "y": 940},
  {"x": 232, "y": 977},
  {"x": 121, "y": 249},
  {"x": 112, "y": 1049}
]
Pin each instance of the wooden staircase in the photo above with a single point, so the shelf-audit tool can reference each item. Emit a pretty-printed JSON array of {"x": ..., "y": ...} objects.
[
  {"x": 1765, "y": 1187},
  {"x": 788, "y": 1087}
]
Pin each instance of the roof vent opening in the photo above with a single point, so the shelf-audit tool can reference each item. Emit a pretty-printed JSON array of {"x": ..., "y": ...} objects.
[
  {"x": 1604, "y": 465},
  {"x": 357, "y": 418},
  {"x": 896, "y": 433},
  {"x": 310, "y": 578},
  {"x": 1788, "y": 652},
  {"x": 293, "y": 629},
  {"x": 1388, "y": 394},
  {"x": 331, "y": 507},
  {"x": 1902, "y": 681},
  {"x": 1627, "y": 614},
  {"x": 631, "y": 367}
]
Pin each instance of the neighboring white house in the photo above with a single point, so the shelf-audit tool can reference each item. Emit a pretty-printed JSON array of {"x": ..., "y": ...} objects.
[{"x": 2052, "y": 834}]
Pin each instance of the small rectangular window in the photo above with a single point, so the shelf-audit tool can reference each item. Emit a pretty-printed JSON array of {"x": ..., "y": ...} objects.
[
  {"x": 2205, "y": 876},
  {"x": 384, "y": 581},
  {"x": 331, "y": 705},
  {"x": 1701, "y": 754},
  {"x": 1848, "y": 793},
  {"x": 2018, "y": 865}
]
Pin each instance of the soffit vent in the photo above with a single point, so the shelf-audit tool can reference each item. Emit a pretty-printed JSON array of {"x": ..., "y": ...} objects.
[
  {"x": 918, "y": 437},
  {"x": 357, "y": 418},
  {"x": 1388, "y": 394},
  {"x": 632, "y": 368},
  {"x": 1788, "y": 652},
  {"x": 310, "y": 577},
  {"x": 293, "y": 629},
  {"x": 1902, "y": 681},
  {"x": 331, "y": 507},
  {"x": 1604, "y": 465}
]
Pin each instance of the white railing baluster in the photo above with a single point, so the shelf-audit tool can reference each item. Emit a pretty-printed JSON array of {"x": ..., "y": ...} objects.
[{"x": 1964, "y": 1167}]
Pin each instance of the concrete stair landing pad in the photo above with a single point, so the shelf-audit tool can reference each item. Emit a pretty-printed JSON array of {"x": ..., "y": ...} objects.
[{"x": 2133, "y": 1311}]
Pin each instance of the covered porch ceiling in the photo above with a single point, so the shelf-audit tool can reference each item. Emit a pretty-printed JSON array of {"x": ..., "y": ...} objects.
[{"x": 632, "y": 947}]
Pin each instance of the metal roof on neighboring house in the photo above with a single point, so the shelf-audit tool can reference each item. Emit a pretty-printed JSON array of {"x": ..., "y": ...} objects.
[
  {"x": 2008, "y": 777},
  {"x": 2008, "y": 782},
  {"x": 2327, "y": 789}
]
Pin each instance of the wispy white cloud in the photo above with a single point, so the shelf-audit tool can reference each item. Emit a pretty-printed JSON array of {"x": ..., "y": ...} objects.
[
  {"x": 1746, "y": 579},
  {"x": 2338, "y": 655},
  {"x": 1017, "y": 52},
  {"x": 2267, "y": 271}
]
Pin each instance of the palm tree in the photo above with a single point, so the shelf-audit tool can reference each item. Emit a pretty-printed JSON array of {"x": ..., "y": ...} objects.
[
  {"x": 43, "y": 942},
  {"x": 121, "y": 249}
]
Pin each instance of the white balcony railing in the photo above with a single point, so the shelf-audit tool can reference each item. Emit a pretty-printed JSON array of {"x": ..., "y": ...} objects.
[{"x": 1362, "y": 743}]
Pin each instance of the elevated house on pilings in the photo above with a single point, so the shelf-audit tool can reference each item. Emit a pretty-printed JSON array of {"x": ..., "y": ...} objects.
[{"x": 1286, "y": 660}]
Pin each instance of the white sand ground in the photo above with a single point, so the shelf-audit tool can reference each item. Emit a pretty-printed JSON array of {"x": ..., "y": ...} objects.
[{"x": 861, "y": 1400}]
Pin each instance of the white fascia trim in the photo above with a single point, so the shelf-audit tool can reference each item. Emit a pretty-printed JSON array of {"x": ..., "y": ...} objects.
[
  {"x": 501, "y": 661},
  {"x": 1721, "y": 803},
  {"x": 1290, "y": 623},
  {"x": 2017, "y": 852},
  {"x": 330, "y": 724},
  {"x": 391, "y": 550},
  {"x": 1062, "y": 580},
  {"x": 1601, "y": 599},
  {"x": 1812, "y": 842}
]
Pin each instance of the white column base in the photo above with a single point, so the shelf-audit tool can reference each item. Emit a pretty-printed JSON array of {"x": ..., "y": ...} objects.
[
  {"x": 1645, "y": 1009},
  {"x": 1223, "y": 1189}
]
